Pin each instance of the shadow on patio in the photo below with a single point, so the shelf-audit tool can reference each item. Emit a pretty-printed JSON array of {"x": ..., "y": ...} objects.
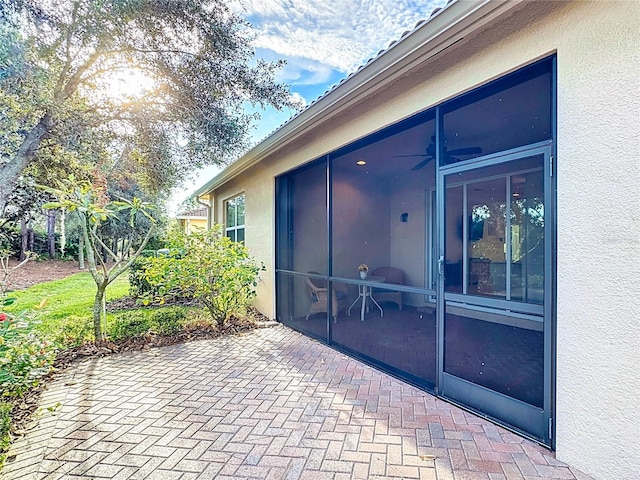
[{"x": 269, "y": 404}]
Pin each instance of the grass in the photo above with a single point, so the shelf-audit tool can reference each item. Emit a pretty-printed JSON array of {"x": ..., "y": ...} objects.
[
  {"x": 72, "y": 295},
  {"x": 64, "y": 312},
  {"x": 64, "y": 307}
]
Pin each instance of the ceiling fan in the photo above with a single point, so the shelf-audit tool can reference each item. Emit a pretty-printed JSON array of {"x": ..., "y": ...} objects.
[{"x": 449, "y": 154}]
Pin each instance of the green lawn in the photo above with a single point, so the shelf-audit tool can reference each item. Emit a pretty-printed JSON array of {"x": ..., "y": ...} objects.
[
  {"x": 71, "y": 295},
  {"x": 63, "y": 308},
  {"x": 64, "y": 312}
]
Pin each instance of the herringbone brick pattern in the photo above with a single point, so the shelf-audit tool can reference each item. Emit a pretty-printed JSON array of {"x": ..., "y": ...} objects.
[{"x": 270, "y": 404}]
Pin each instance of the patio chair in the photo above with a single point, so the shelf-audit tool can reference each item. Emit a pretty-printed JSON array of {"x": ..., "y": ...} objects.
[
  {"x": 319, "y": 296},
  {"x": 391, "y": 275}
]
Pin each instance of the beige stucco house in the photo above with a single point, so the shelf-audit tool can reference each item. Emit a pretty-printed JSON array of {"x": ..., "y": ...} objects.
[
  {"x": 194, "y": 219},
  {"x": 486, "y": 169}
]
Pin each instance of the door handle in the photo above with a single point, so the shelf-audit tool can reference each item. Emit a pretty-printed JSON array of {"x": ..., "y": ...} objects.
[{"x": 441, "y": 265}]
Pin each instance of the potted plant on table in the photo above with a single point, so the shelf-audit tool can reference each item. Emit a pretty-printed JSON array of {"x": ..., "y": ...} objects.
[{"x": 363, "y": 268}]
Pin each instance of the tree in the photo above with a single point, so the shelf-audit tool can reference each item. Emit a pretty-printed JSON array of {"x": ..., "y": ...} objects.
[
  {"x": 24, "y": 205},
  {"x": 94, "y": 211},
  {"x": 186, "y": 65}
]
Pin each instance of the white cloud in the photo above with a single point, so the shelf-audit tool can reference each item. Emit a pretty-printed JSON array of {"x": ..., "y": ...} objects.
[
  {"x": 299, "y": 99},
  {"x": 318, "y": 38},
  {"x": 298, "y": 70},
  {"x": 340, "y": 34}
]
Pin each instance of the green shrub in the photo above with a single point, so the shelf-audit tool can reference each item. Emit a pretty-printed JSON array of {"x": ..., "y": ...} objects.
[
  {"x": 169, "y": 321},
  {"x": 138, "y": 323},
  {"x": 210, "y": 268},
  {"x": 155, "y": 243},
  {"x": 128, "y": 325},
  {"x": 5, "y": 430},
  {"x": 73, "y": 331},
  {"x": 138, "y": 283},
  {"x": 24, "y": 356}
]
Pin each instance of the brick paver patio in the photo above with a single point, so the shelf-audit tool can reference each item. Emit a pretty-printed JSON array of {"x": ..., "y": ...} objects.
[{"x": 270, "y": 404}]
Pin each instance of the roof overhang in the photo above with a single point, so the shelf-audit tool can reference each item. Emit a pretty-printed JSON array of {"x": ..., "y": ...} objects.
[{"x": 442, "y": 30}]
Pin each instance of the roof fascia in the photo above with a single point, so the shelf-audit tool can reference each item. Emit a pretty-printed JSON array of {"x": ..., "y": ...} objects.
[{"x": 445, "y": 28}]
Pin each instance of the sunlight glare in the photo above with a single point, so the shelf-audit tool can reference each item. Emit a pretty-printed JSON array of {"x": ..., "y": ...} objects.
[{"x": 127, "y": 85}]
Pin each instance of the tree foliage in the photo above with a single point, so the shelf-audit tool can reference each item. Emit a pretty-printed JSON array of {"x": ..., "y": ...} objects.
[{"x": 156, "y": 85}]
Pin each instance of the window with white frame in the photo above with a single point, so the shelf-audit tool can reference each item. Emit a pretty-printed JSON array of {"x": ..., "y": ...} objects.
[{"x": 234, "y": 227}]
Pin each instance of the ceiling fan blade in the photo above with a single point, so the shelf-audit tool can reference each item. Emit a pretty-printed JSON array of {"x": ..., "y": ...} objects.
[
  {"x": 465, "y": 151},
  {"x": 422, "y": 164}
]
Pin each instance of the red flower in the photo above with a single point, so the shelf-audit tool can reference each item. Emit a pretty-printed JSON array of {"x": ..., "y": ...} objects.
[{"x": 3, "y": 317}]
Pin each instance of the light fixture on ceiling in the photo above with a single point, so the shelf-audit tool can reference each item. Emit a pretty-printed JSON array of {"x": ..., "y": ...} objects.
[
  {"x": 361, "y": 162},
  {"x": 515, "y": 194}
]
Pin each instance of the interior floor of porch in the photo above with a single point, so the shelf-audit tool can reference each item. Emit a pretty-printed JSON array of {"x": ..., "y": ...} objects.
[{"x": 500, "y": 357}]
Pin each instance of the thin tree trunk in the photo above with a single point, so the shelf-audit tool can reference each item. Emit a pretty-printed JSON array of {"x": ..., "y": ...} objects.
[
  {"x": 98, "y": 309},
  {"x": 63, "y": 232},
  {"x": 51, "y": 233},
  {"x": 24, "y": 233},
  {"x": 32, "y": 239},
  {"x": 104, "y": 278},
  {"x": 81, "y": 265}
]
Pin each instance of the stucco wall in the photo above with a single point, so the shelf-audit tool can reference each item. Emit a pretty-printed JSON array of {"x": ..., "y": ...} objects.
[
  {"x": 409, "y": 195},
  {"x": 360, "y": 226},
  {"x": 598, "y": 180},
  {"x": 193, "y": 224},
  {"x": 598, "y": 424}
]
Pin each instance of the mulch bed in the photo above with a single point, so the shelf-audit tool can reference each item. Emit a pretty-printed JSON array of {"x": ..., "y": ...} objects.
[
  {"x": 38, "y": 271},
  {"x": 205, "y": 331},
  {"x": 130, "y": 303}
]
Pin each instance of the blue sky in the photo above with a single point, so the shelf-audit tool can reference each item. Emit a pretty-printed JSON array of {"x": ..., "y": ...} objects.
[
  {"x": 325, "y": 40},
  {"x": 322, "y": 41}
]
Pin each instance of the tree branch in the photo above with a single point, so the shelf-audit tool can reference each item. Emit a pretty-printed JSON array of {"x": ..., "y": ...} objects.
[
  {"x": 104, "y": 245},
  {"x": 155, "y": 50},
  {"x": 91, "y": 259},
  {"x": 67, "y": 64},
  {"x": 133, "y": 257},
  {"x": 10, "y": 171}
]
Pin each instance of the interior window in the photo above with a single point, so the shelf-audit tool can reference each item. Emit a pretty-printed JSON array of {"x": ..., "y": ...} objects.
[{"x": 495, "y": 232}]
